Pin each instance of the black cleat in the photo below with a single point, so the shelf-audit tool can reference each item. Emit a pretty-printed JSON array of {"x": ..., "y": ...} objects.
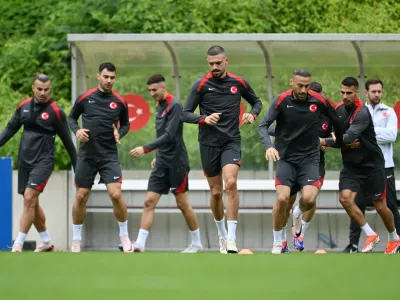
[{"x": 350, "y": 249}]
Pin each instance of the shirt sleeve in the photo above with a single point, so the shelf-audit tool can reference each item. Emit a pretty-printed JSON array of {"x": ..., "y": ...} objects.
[
  {"x": 357, "y": 126},
  {"x": 388, "y": 134},
  {"x": 190, "y": 106},
  {"x": 65, "y": 136},
  {"x": 269, "y": 117},
  {"x": 124, "y": 121},
  {"x": 173, "y": 121},
  {"x": 12, "y": 128},
  {"x": 76, "y": 111},
  {"x": 250, "y": 96},
  {"x": 337, "y": 126}
]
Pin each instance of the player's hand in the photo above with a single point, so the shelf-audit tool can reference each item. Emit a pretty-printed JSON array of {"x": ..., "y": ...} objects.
[
  {"x": 322, "y": 142},
  {"x": 272, "y": 154},
  {"x": 355, "y": 144},
  {"x": 247, "y": 118},
  {"x": 323, "y": 148},
  {"x": 212, "y": 119},
  {"x": 82, "y": 135},
  {"x": 333, "y": 136},
  {"x": 153, "y": 163},
  {"x": 137, "y": 152},
  {"x": 116, "y": 134}
]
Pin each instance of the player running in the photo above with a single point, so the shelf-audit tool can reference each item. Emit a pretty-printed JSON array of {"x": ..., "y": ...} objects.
[
  {"x": 101, "y": 109},
  {"x": 218, "y": 94},
  {"x": 42, "y": 119},
  {"x": 170, "y": 167},
  {"x": 298, "y": 115}
]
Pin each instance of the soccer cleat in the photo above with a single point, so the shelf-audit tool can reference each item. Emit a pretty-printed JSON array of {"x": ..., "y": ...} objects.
[
  {"x": 231, "y": 246},
  {"x": 350, "y": 249},
  {"x": 136, "y": 247},
  {"x": 285, "y": 248},
  {"x": 76, "y": 246},
  {"x": 296, "y": 225},
  {"x": 45, "y": 247},
  {"x": 16, "y": 248},
  {"x": 370, "y": 243},
  {"x": 127, "y": 245},
  {"x": 392, "y": 247},
  {"x": 276, "y": 249},
  {"x": 298, "y": 243},
  {"x": 222, "y": 246},
  {"x": 192, "y": 249}
]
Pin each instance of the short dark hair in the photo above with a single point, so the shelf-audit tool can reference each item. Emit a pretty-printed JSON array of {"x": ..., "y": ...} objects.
[
  {"x": 373, "y": 81},
  {"x": 156, "y": 78},
  {"x": 41, "y": 77},
  {"x": 107, "y": 65},
  {"x": 302, "y": 73},
  {"x": 215, "y": 50},
  {"x": 350, "y": 81},
  {"x": 316, "y": 87}
]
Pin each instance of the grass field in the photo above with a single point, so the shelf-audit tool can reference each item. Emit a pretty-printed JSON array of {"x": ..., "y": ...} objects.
[{"x": 111, "y": 275}]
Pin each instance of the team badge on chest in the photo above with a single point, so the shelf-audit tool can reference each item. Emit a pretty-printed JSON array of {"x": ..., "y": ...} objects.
[
  {"x": 113, "y": 105},
  {"x": 234, "y": 89},
  {"x": 313, "y": 108},
  {"x": 45, "y": 116}
]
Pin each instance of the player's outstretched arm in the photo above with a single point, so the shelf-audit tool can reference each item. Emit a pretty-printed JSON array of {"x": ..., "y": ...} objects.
[
  {"x": 124, "y": 122},
  {"x": 65, "y": 136},
  {"x": 250, "y": 96},
  {"x": 269, "y": 117},
  {"x": 388, "y": 134},
  {"x": 173, "y": 120},
  {"x": 12, "y": 128},
  {"x": 190, "y": 106}
]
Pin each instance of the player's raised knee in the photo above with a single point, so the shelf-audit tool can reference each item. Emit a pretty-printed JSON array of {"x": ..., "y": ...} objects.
[
  {"x": 345, "y": 200},
  {"x": 282, "y": 199},
  {"x": 30, "y": 200}
]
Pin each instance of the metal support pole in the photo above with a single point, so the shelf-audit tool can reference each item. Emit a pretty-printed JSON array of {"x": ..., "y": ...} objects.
[
  {"x": 176, "y": 70},
  {"x": 360, "y": 58},
  {"x": 270, "y": 94}
]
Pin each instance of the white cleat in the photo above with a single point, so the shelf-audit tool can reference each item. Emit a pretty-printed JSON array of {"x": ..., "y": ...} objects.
[
  {"x": 222, "y": 246},
  {"x": 296, "y": 225},
  {"x": 192, "y": 249},
  {"x": 16, "y": 248},
  {"x": 45, "y": 247},
  {"x": 277, "y": 249},
  {"x": 137, "y": 247},
  {"x": 231, "y": 246},
  {"x": 127, "y": 245},
  {"x": 76, "y": 246}
]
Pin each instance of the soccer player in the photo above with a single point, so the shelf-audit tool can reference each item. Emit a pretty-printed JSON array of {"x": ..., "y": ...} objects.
[
  {"x": 363, "y": 168},
  {"x": 218, "y": 95},
  {"x": 298, "y": 119},
  {"x": 101, "y": 109},
  {"x": 170, "y": 167},
  {"x": 385, "y": 126},
  {"x": 324, "y": 131},
  {"x": 42, "y": 119}
]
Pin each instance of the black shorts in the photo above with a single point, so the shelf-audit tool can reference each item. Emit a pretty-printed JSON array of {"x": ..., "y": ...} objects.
[
  {"x": 295, "y": 189},
  {"x": 87, "y": 168},
  {"x": 372, "y": 185},
  {"x": 214, "y": 159},
  {"x": 162, "y": 180},
  {"x": 35, "y": 178},
  {"x": 298, "y": 174}
]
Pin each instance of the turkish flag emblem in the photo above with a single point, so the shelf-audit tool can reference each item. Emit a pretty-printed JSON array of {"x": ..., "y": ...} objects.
[
  {"x": 325, "y": 126},
  {"x": 45, "y": 116},
  {"x": 313, "y": 107},
  {"x": 113, "y": 105},
  {"x": 233, "y": 89},
  {"x": 139, "y": 111}
]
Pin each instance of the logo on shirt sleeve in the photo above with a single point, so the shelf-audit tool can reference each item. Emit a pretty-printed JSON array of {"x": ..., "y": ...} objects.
[
  {"x": 313, "y": 108},
  {"x": 325, "y": 126},
  {"x": 45, "y": 116},
  {"x": 234, "y": 89},
  {"x": 113, "y": 105}
]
